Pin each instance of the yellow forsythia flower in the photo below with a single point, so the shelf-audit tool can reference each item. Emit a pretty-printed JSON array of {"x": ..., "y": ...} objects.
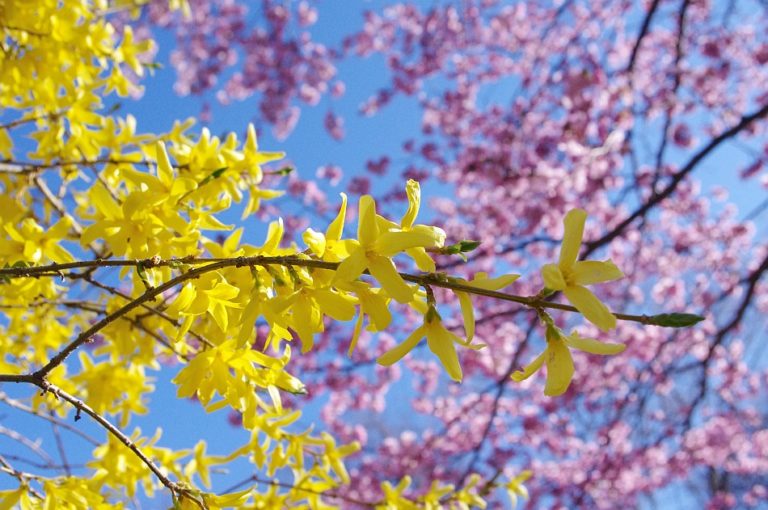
[
  {"x": 439, "y": 340},
  {"x": 375, "y": 248},
  {"x": 558, "y": 359},
  {"x": 516, "y": 488},
  {"x": 571, "y": 276}
]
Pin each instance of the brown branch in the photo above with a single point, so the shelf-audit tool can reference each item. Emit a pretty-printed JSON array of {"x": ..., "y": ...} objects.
[
  {"x": 40, "y": 465},
  {"x": 259, "y": 260},
  {"x": 134, "y": 322},
  {"x": 675, "y": 88},
  {"x": 643, "y": 32},
  {"x": 28, "y": 31},
  {"x": 655, "y": 199},
  {"x": 298, "y": 487},
  {"x": 26, "y": 120},
  {"x": 59, "y": 206},
  {"x": 24, "y": 440},
  {"x": 60, "y": 446},
  {"x": 112, "y": 429},
  {"x": 82, "y": 407}
]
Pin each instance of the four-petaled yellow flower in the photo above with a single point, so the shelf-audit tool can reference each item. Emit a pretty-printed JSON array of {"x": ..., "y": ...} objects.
[
  {"x": 439, "y": 340},
  {"x": 418, "y": 254},
  {"x": 376, "y": 245},
  {"x": 571, "y": 276},
  {"x": 516, "y": 488},
  {"x": 557, "y": 357},
  {"x": 329, "y": 246}
]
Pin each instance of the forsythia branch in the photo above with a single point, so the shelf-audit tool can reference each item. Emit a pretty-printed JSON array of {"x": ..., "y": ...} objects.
[{"x": 433, "y": 279}]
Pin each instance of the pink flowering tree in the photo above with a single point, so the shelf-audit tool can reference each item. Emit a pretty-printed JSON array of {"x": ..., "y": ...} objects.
[{"x": 529, "y": 110}]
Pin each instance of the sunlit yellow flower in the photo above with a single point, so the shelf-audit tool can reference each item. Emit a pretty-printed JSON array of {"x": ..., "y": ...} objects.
[
  {"x": 393, "y": 496},
  {"x": 480, "y": 281},
  {"x": 329, "y": 246},
  {"x": 31, "y": 243},
  {"x": 418, "y": 254},
  {"x": 439, "y": 340},
  {"x": 571, "y": 276},
  {"x": 375, "y": 247},
  {"x": 557, "y": 357},
  {"x": 212, "y": 294},
  {"x": 516, "y": 488}
]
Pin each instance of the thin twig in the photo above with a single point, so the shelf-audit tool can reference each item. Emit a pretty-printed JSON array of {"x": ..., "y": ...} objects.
[
  {"x": 33, "y": 446},
  {"x": 60, "y": 447},
  {"x": 58, "y": 205},
  {"x": 643, "y": 31},
  {"x": 21, "y": 476},
  {"x": 60, "y": 423}
]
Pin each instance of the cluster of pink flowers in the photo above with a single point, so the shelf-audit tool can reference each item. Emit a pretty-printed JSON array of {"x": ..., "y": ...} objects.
[{"x": 272, "y": 56}]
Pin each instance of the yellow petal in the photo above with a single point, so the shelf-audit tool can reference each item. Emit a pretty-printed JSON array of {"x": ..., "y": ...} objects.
[
  {"x": 383, "y": 269},
  {"x": 164, "y": 168},
  {"x": 423, "y": 260},
  {"x": 468, "y": 313},
  {"x": 553, "y": 277},
  {"x": 441, "y": 344},
  {"x": 396, "y": 353},
  {"x": 274, "y": 236},
  {"x": 185, "y": 298},
  {"x": 185, "y": 327},
  {"x": 337, "y": 225},
  {"x": 60, "y": 229},
  {"x": 413, "y": 191},
  {"x": 335, "y": 305},
  {"x": 525, "y": 373},
  {"x": 219, "y": 314},
  {"x": 58, "y": 254},
  {"x": 437, "y": 233},
  {"x": 6, "y": 144},
  {"x": 592, "y": 271},
  {"x": 392, "y": 243},
  {"x": 103, "y": 202},
  {"x": 593, "y": 346},
  {"x": 223, "y": 291},
  {"x": 559, "y": 368},
  {"x": 367, "y": 230},
  {"x": 376, "y": 308},
  {"x": 355, "y": 334},
  {"x": 302, "y": 323},
  {"x": 352, "y": 266},
  {"x": 591, "y": 307},
  {"x": 233, "y": 241},
  {"x": 251, "y": 141},
  {"x": 315, "y": 241},
  {"x": 574, "y": 231},
  {"x": 182, "y": 185},
  {"x": 209, "y": 222},
  {"x": 481, "y": 281}
]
